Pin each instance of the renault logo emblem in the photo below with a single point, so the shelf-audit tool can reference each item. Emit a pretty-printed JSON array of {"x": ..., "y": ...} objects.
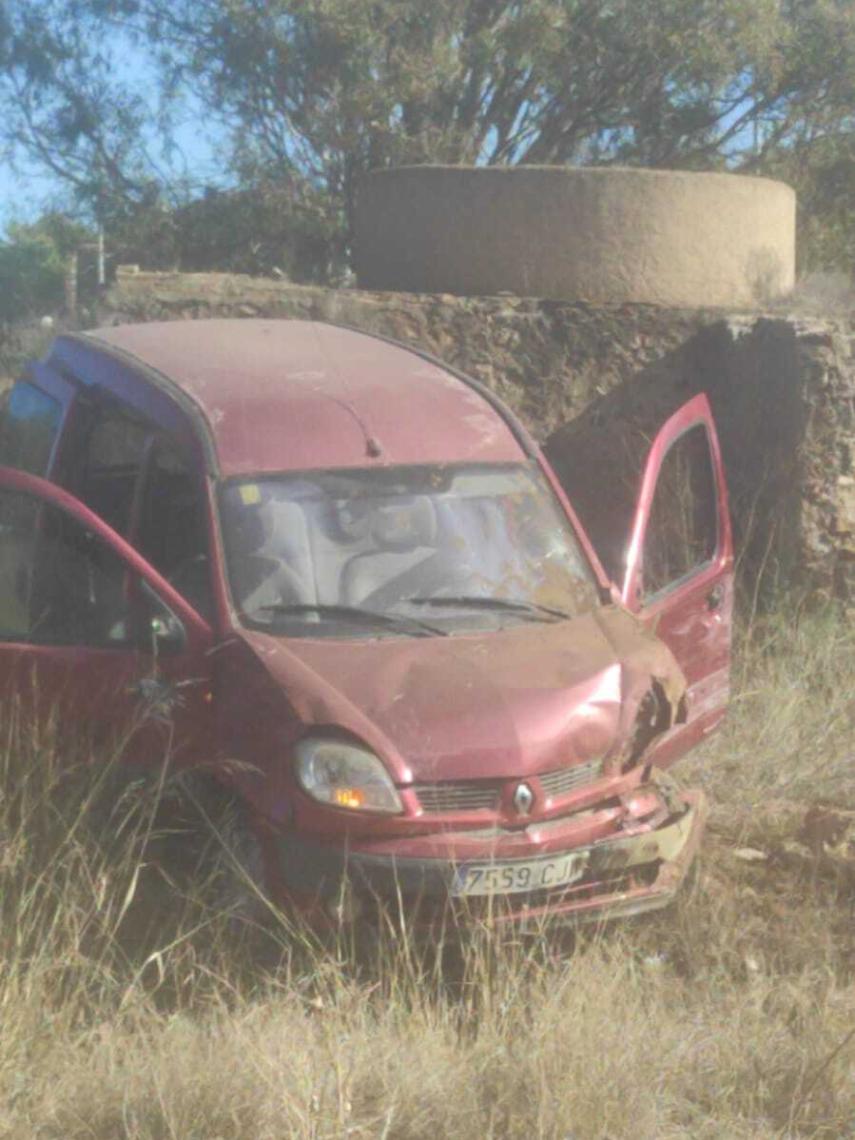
[{"x": 523, "y": 799}]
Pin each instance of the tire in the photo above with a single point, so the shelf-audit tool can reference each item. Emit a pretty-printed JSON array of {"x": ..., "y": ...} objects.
[
  {"x": 223, "y": 850},
  {"x": 194, "y": 838}
]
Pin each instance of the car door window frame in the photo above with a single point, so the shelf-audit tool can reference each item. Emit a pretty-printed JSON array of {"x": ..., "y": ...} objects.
[
  {"x": 694, "y": 412},
  {"x": 649, "y": 599},
  {"x": 197, "y": 631},
  {"x": 157, "y": 439},
  {"x": 148, "y": 623}
]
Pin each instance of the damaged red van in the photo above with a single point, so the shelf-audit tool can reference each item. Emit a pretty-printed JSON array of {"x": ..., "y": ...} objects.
[{"x": 342, "y": 578}]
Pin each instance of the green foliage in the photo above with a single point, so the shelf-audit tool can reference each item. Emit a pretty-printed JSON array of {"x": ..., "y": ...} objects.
[
  {"x": 33, "y": 262},
  {"x": 309, "y": 94},
  {"x": 64, "y": 234},
  {"x": 264, "y": 228},
  {"x": 66, "y": 103},
  {"x": 822, "y": 172},
  {"x": 259, "y": 228},
  {"x": 332, "y": 87},
  {"x": 30, "y": 279}
]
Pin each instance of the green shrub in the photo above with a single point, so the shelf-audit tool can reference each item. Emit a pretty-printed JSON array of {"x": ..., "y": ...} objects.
[{"x": 31, "y": 278}]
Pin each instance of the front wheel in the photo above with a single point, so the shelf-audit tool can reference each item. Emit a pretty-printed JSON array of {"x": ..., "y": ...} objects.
[
  {"x": 223, "y": 849},
  {"x": 196, "y": 841}
]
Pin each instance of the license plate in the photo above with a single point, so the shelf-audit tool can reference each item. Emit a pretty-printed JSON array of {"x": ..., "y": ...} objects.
[{"x": 521, "y": 875}]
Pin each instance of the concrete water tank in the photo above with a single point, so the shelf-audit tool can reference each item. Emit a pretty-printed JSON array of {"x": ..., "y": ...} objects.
[{"x": 600, "y": 234}]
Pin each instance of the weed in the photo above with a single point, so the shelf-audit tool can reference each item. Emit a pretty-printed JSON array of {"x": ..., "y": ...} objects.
[{"x": 132, "y": 1008}]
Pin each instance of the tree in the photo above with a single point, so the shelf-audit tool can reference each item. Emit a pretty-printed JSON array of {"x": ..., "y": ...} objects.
[
  {"x": 332, "y": 88},
  {"x": 281, "y": 226},
  {"x": 262, "y": 227},
  {"x": 309, "y": 94},
  {"x": 68, "y": 105},
  {"x": 33, "y": 263},
  {"x": 64, "y": 107}
]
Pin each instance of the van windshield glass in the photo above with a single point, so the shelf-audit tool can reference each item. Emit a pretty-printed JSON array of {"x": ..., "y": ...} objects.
[{"x": 458, "y": 547}]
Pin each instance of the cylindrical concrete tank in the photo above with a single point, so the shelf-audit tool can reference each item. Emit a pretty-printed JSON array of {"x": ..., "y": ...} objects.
[{"x": 600, "y": 234}]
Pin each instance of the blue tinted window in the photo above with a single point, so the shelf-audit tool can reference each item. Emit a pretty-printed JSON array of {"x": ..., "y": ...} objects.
[{"x": 28, "y": 426}]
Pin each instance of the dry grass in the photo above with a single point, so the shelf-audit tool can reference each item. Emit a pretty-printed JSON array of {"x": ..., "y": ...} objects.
[
  {"x": 129, "y": 1011},
  {"x": 790, "y": 732}
]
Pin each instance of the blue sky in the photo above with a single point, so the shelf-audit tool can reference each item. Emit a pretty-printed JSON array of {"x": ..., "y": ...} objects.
[
  {"x": 20, "y": 194},
  {"x": 26, "y": 191}
]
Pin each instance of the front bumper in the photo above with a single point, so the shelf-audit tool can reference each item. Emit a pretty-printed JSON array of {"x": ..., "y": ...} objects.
[{"x": 625, "y": 874}]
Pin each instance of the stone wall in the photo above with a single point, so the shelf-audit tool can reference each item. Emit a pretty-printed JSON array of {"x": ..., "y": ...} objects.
[
  {"x": 586, "y": 378},
  {"x": 782, "y": 391}
]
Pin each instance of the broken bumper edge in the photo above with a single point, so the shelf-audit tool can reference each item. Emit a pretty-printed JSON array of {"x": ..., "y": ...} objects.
[{"x": 627, "y": 875}]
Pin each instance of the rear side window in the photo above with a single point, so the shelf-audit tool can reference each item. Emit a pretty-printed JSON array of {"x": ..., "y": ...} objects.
[
  {"x": 140, "y": 482},
  {"x": 113, "y": 462},
  {"x": 172, "y": 528},
  {"x": 29, "y": 422}
]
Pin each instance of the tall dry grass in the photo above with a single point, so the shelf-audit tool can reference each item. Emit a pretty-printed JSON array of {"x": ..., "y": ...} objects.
[
  {"x": 790, "y": 731},
  {"x": 130, "y": 1009}
]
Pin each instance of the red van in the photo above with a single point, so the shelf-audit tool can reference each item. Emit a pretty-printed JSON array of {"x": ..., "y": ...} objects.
[{"x": 342, "y": 577}]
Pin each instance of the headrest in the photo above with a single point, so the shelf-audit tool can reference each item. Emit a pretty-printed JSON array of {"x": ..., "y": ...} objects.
[{"x": 404, "y": 524}]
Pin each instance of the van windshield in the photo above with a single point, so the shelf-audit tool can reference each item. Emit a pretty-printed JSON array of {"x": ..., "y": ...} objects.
[{"x": 436, "y": 548}]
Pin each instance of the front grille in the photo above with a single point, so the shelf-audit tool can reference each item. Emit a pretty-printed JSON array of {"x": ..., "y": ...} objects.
[
  {"x": 463, "y": 795},
  {"x": 566, "y": 780},
  {"x": 485, "y": 795}
]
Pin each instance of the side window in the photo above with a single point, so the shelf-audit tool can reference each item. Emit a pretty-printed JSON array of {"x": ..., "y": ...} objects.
[
  {"x": 59, "y": 584},
  {"x": 682, "y": 531},
  {"x": 172, "y": 532},
  {"x": 112, "y": 463},
  {"x": 62, "y": 585},
  {"x": 29, "y": 421},
  {"x": 140, "y": 482}
]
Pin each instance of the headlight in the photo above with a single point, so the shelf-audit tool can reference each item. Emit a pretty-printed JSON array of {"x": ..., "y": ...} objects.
[{"x": 345, "y": 775}]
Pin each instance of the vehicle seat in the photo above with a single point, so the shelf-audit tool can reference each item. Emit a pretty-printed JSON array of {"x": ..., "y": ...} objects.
[
  {"x": 403, "y": 561},
  {"x": 279, "y": 569}
]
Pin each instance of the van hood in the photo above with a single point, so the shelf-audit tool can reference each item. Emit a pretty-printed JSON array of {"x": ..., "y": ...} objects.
[{"x": 508, "y": 703}]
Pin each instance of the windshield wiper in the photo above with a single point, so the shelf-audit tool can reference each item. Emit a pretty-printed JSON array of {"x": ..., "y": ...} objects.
[
  {"x": 517, "y": 605},
  {"x": 353, "y": 613}
]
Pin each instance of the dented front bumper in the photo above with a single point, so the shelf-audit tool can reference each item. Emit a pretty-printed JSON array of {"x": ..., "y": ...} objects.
[
  {"x": 634, "y": 875},
  {"x": 638, "y": 867}
]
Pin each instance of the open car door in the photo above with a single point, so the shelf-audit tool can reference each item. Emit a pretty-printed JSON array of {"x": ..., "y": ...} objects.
[
  {"x": 91, "y": 632},
  {"x": 679, "y": 566}
]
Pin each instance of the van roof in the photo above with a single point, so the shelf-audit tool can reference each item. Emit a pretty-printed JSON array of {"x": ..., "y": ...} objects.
[{"x": 284, "y": 395}]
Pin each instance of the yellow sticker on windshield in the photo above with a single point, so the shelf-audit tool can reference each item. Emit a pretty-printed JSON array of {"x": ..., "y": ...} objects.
[{"x": 250, "y": 494}]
